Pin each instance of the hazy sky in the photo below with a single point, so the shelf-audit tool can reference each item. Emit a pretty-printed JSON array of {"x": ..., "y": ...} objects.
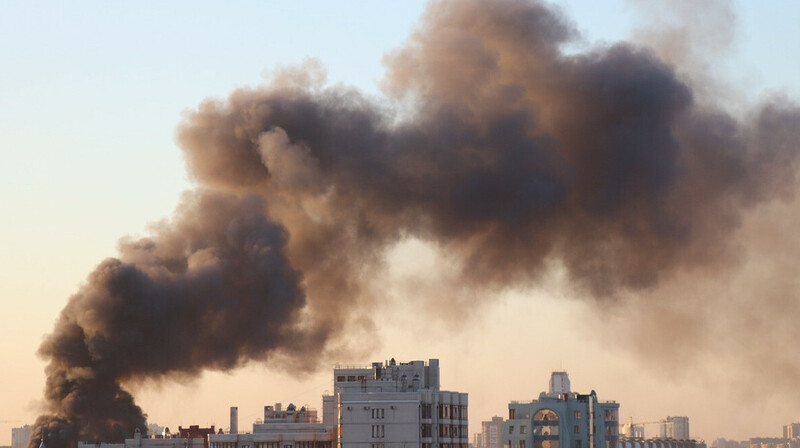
[{"x": 91, "y": 93}]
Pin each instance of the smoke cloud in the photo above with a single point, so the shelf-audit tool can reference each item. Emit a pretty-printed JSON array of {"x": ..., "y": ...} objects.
[{"x": 494, "y": 144}]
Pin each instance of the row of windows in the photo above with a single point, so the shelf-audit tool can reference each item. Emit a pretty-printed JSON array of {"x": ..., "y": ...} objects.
[
  {"x": 538, "y": 430},
  {"x": 304, "y": 444},
  {"x": 453, "y": 431},
  {"x": 453, "y": 411},
  {"x": 350, "y": 378}
]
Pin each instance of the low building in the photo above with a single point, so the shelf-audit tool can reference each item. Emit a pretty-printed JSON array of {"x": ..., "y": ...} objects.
[
  {"x": 290, "y": 428},
  {"x": 561, "y": 418},
  {"x": 145, "y": 442}
]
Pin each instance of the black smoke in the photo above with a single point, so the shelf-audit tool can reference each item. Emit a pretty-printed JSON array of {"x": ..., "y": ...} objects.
[{"x": 496, "y": 145}]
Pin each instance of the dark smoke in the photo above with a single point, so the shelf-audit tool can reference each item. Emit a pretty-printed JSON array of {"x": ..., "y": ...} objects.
[
  {"x": 211, "y": 289},
  {"x": 502, "y": 149}
]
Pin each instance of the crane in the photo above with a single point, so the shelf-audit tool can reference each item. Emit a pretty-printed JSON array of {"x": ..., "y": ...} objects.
[{"x": 631, "y": 432}]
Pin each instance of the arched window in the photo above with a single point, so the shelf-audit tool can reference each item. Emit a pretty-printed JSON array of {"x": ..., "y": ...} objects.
[{"x": 545, "y": 429}]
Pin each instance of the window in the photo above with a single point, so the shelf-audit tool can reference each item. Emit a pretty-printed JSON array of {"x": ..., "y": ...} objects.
[
  {"x": 340, "y": 378},
  {"x": 523, "y": 429},
  {"x": 426, "y": 430},
  {"x": 521, "y": 444},
  {"x": 377, "y": 412},
  {"x": 377, "y": 431},
  {"x": 577, "y": 429},
  {"x": 577, "y": 415},
  {"x": 351, "y": 377},
  {"x": 511, "y": 414},
  {"x": 426, "y": 411},
  {"x": 577, "y": 444},
  {"x": 511, "y": 429}
]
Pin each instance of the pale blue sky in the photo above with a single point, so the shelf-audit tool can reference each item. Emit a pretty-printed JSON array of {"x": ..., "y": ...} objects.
[{"x": 91, "y": 92}]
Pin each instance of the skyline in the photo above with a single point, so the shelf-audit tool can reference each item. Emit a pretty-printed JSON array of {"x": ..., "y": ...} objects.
[{"x": 78, "y": 181}]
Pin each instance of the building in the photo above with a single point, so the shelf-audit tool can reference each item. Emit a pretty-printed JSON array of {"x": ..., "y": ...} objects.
[
  {"x": 561, "y": 418},
  {"x": 398, "y": 405},
  {"x": 675, "y": 428},
  {"x": 20, "y": 436},
  {"x": 492, "y": 430},
  {"x": 152, "y": 442},
  {"x": 290, "y": 428},
  {"x": 477, "y": 440},
  {"x": 382, "y": 405},
  {"x": 630, "y": 442},
  {"x": 791, "y": 431},
  {"x": 196, "y": 432}
]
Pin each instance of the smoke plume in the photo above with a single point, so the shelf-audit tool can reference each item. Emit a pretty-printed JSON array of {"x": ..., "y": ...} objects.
[{"x": 494, "y": 144}]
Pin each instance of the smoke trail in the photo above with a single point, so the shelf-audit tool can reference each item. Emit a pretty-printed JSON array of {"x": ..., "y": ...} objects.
[
  {"x": 211, "y": 289},
  {"x": 513, "y": 153}
]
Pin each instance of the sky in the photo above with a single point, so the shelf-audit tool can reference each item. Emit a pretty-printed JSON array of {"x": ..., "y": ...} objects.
[{"x": 91, "y": 94}]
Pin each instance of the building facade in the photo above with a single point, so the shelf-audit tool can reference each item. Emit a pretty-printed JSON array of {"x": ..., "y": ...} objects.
[
  {"x": 398, "y": 405},
  {"x": 20, "y": 436},
  {"x": 149, "y": 442},
  {"x": 289, "y": 428},
  {"x": 675, "y": 428},
  {"x": 492, "y": 432},
  {"x": 382, "y": 405},
  {"x": 561, "y": 418}
]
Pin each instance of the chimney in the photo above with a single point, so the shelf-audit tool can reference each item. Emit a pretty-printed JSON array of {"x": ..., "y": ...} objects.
[{"x": 234, "y": 420}]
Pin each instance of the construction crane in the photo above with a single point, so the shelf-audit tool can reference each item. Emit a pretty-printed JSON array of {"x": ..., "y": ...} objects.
[{"x": 632, "y": 425}]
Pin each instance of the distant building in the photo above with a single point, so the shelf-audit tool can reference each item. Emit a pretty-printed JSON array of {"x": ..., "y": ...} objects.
[
  {"x": 561, "y": 418},
  {"x": 675, "y": 428},
  {"x": 477, "y": 441},
  {"x": 791, "y": 431},
  {"x": 20, "y": 436},
  {"x": 658, "y": 442},
  {"x": 492, "y": 432}
]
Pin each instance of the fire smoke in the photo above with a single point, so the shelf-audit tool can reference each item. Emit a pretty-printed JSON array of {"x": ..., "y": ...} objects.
[{"x": 496, "y": 145}]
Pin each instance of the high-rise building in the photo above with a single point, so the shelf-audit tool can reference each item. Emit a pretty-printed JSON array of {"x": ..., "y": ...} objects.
[
  {"x": 398, "y": 405},
  {"x": 561, "y": 418},
  {"x": 383, "y": 405},
  {"x": 791, "y": 431},
  {"x": 675, "y": 428},
  {"x": 492, "y": 431},
  {"x": 20, "y": 436}
]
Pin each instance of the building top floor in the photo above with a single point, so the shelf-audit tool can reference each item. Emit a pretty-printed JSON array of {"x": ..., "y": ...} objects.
[{"x": 387, "y": 375}]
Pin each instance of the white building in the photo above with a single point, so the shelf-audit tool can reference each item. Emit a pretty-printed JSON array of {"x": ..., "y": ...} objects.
[
  {"x": 398, "y": 405},
  {"x": 675, "y": 428},
  {"x": 290, "y": 428},
  {"x": 383, "y": 405},
  {"x": 144, "y": 442},
  {"x": 20, "y": 436},
  {"x": 491, "y": 431}
]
